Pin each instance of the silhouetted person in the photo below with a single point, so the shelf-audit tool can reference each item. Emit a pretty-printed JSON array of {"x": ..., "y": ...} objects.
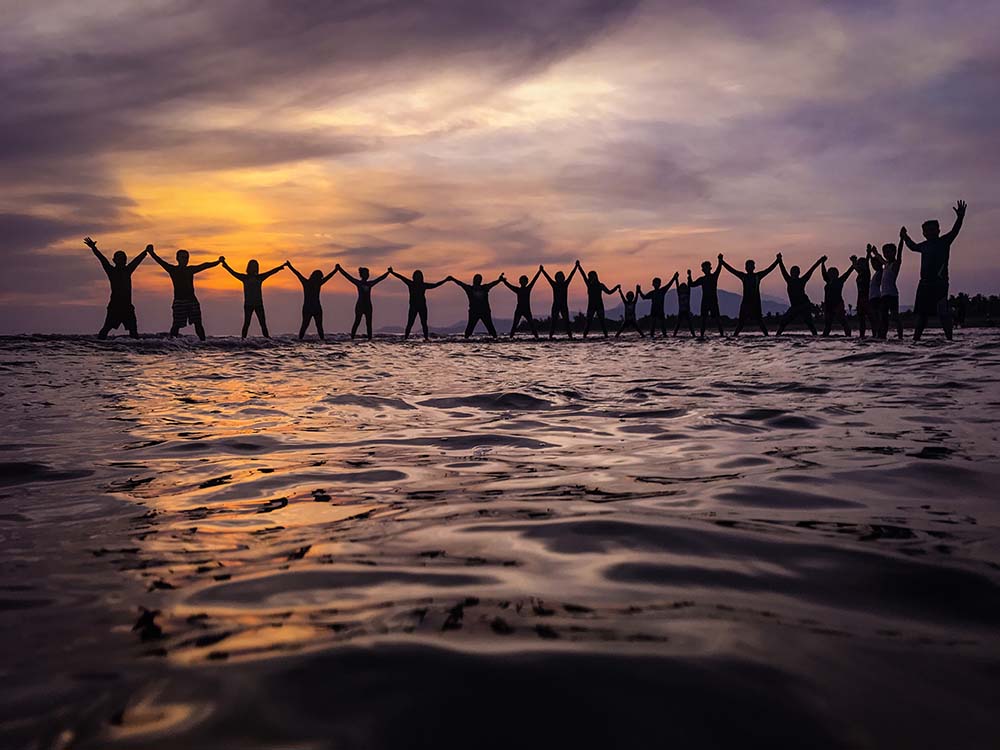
[
  {"x": 750, "y": 306},
  {"x": 595, "y": 300},
  {"x": 833, "y": 297},
  {"x": 889, "y": 291},
  {"x": 186, "y": 308},
  {"x": 120, "y": 311},
  {"x": 418, "y": 299},
  {"x": 709, "y": 283},
  {"x": 799, "y": 304},
  {"x": 875, "y": 290},
  {"x": 479, "y": 303},
  {"x": 560, "y": 299},
  {"x": 363, "y": 307},
  {"x": 684, "y": 308},
  {"x": 253, "y": 294},
  {"x": 629, "y": 301},
  {"x": 932, "y": 290},
  {"x": 311, "y": 307},
  {"x": 864, "y": 279},
  {"x": 523, "y": 308},
  {"x": 657, "y": 296}
]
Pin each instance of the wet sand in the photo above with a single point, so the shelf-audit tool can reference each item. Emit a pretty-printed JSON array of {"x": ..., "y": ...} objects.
[{"x": 784, "y": 542}]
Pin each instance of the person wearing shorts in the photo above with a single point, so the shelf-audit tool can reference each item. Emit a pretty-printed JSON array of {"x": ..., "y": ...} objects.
[{"x": 932, "y": 289}]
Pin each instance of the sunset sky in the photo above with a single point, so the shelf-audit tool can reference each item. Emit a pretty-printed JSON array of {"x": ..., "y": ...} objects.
[{"x": 457, "y": 136}]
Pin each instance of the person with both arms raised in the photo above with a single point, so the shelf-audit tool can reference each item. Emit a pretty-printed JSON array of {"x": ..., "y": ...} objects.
[
  {"x": 253, "y": 293},
  {"x": 523, "y": 307},
  {"x": 311, "y": 307},
  {"x": 185, "y": 308},
  {"x": 560, "y": 299},
  {"x": 363, "y": 307},
  {"x": 657, "y": 296},
  {"x": 799, "y": 304},
  {"x": 709, "y": 283},
  {"x": 750, "y": 305},
  {"x": 932, "y": 289},
  {"x": 121, "y": 311},
  {"x": 417, "y": 288},
  {"x": 479, "y": 303},
  {"x": 595, "y": 300}
]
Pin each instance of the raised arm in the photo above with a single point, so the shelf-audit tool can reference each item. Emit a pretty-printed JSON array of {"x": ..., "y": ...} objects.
[
  {"x": 620, "y": 292},
  {"x": 269, "y": 274},
  {"x": 675, "y": 279},
  {"x": 235, "y": 274},
  {"x": 579, "y": 267},
  {"x": 379, "y": 279},
  {"x": 166, "y": 266},
  {"x": 339, "y": 269},
  {"x": 781, "y": 265},
  {"x": 959, "y": 210},
  {"x": 615, "y": 288},
  {"x": 899, "y": 254},
  {"x": 294, "y": 270},
  {"x": 332, "y": 274},
  {"x": 435, "y": 285},
  {"x": 97, "y": 253},
  {"x": 718, "y": 267},
  {"x": 462, "y": 284},
  {"x": 403, "y": 278},
  {"x": 733, "y": 271},
  {"x": 546, "y": 275},
  {"x": 573, "y": 272},
  {"x": 531, "y": 284},
  {"x": 495, "y": 282},
  {"x": 509, "y": 285},
  {"x": 806, "y": 276},
  {"x": 205, "y": 266},
  {"x": 137, "y": 260},
  {"x": 904, "y": 238},
  {"x": 695, "y": 282},
  {"x": 845, "y": 274},
  {"x": 766, "y": 271}
]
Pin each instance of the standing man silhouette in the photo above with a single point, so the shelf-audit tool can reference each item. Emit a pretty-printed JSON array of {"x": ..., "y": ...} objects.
[
  {"x": 750, "y": 306},
  {"x": 709, "y": 283},
  {"x": 363, "y": 307},
  {"x": 932, "y": 290},
  {"x": 523, "y": 307},
  {"x": 186, "y": 308},
  {"x": 479, "y": 303},
  {"x": 253, "y": 294},
  {"x": 560, "y": 299},
  {"x": 799, "y": 304},
  {"x": 657, "y": 296},
  {"x": 417, "y": 288},
  {"x": 120, "y": 311}
]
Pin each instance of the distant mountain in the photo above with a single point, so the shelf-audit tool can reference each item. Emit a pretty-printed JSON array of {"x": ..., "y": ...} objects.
[{"x": 729, "y": 306}]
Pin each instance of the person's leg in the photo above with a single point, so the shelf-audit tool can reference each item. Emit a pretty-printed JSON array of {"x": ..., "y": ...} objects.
[
  {"x": 785, "y": 320},
  {"x": 357, "y": 322},
  {"x": 569, "y": 325},
  {"x": 368, "y": 323},
  {"x": 423, "y": 322},
  {"x": 691, "y": 325},
  {"x": 306, "y": 317},
  {"x": 677, "y": 326},
  {"x": 635, "y": 325},
  {"x": 513, "y": 325},
  {"x": 471, "y": 325},
  {"x": 591, "y": 312},
  {"x": 262, "y": 319},
  {"x": 845, "y": 323},
  {"x": 552, "y": 321},
  {"x": 827, "y": 321},
  {"x": 109, "y": 323},
  {"x": 488, "y": 322},
  {"x": 200, "y": 330},
  {"x": 763, "y": 325},
  {"x": 532, "y": 325},
  {"x": 411, "y": 317},
  {"x": 919, "y": 325},
  {"x": 944, "y": 315},
  {"x": 318, "y": 320},
  {"x": 704, "y": 320},
  {"x": 898, "y": 320},
  {"x": 604, "y": 321},
  {"x": 247, "y": 314},
  {"x": 862, "y": 314},
  {"x": 810, "y": 323}
]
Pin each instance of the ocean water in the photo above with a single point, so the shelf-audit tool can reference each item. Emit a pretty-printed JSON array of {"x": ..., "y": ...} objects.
[{"x": 758, "y": 542}]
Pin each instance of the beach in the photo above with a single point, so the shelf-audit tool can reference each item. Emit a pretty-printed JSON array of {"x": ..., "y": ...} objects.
[{"x": 787, "y": 542}]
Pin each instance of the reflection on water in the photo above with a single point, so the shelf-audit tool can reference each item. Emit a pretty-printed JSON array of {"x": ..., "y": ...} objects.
[{"x": 384, "y": 544}]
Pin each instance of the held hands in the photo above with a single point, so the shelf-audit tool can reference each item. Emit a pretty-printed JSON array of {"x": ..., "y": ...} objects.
[
  {"x": 222, "y": 259},
  {"x": 903, "y": 234},
  {"x": 778, "y": 256},
  {"x": 959, "y": 209},
  {"x": 720, "y": 256},
  {"x": 149, "y": 248},
  {"x": 390, "y": 269}
]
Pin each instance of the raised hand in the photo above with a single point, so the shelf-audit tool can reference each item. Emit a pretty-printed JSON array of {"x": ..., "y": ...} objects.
[
  {"x": 720, "y": 256},
  {"x": 149, "y": 248},
  {"x": 959, "y": 208},
  {"x": 90, "y": 243},
  {"x": 823, "y": 259},
  {"x": 390, "y": 269},
  {"x": 778, "y": 256},
  {"x": 222, "y": 259},
  {"x": 903, "y": 233}
]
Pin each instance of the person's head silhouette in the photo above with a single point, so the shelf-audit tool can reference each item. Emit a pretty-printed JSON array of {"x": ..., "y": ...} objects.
[
  {"x": 706, "y": 267},
  {"x": 931, "y": 229},
  {"x": 418, "y": 275},
  {"x": 750, "y": 266},
  {"x": 861, "y": 263},
  {"x": 630, "y": 296},
  {"x": 656, "y": 282},
  {"x": 523, "y": 281},
  {"x": 889, "y": 251},
  {"x": 364, "y": 273},
  {"x": 832, "y": 273},
  {"x": 682, "y": 287},
  {"x": 119, "y": 258},
  {"x": 253, "y": 268},
  {"x": 477, "y": 280},
  {"x": 182, "y": 257},
  {"x": 592, "y": 276},
  {"x": 316, "y": 275},
  {"x": 794, "y": 272},
  {"x": 560, "y": 276}
]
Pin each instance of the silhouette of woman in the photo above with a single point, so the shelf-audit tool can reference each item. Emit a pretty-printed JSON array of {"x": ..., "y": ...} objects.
[
  {"x": 595, "y": 299},
  {"x": 418, "y": 299},
  {"x": 863, "y": 280},
  {"x": 799, "y": 304},
  {"x": 363, "y": 307},
  {"x": 875, "y": 290},
  {"x": 684, "y": 308},
  {"x": 560, "y": 299},
  {"x": 479, "y": 303},
  {"x": 750, "y": 308},
  {"x": 833, "y": 296},
  {"x": 658, "y": 295},
  {"x": 120, "y": 312},
  {"x": 630, "y": 301},
  {"x": 311, "y": 307},
  {"x": 253, "y": 295},
  {"x": 523, "y": 308},
  {"x": 889, "y": 291},
  {"x": 709, "y": 283}
]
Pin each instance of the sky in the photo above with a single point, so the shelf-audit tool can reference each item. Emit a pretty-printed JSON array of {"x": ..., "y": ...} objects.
[{"x": 458, "y": 136}]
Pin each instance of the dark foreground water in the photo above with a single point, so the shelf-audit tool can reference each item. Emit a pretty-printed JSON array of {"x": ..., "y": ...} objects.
[{"x": 737, "y": 543}]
